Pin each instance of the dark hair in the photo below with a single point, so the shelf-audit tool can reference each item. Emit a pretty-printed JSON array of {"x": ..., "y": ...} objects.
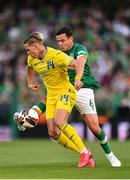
[{"x": 65, "y": 30}]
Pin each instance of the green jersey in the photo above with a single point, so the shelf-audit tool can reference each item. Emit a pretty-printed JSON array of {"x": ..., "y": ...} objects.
[{"x": 88, "y": 78}]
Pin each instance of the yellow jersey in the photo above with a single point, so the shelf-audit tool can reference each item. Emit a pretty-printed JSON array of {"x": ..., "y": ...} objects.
[{"x": 52, "y": 69}]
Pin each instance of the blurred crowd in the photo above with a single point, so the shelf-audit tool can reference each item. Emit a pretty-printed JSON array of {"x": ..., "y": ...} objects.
[{"x": 103, "y": 27}]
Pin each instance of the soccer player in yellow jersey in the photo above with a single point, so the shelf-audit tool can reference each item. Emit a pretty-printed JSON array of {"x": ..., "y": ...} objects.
[{"x": 51, "y": 65}]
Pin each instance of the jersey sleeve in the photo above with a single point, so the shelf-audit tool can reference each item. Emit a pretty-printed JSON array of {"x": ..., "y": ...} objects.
[
  {"x": 29, "y": 61},
  {"x": 63, "y": 59},
  {"x": 81, "y": 51}
]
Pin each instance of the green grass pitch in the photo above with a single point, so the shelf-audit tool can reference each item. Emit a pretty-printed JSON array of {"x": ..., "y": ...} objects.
[{"x": 43, "y": 159}]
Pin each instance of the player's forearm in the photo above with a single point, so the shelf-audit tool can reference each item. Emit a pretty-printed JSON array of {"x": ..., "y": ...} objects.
[
  {"x": 79, "y": 66},
  {"x": 30, "y": 76}
]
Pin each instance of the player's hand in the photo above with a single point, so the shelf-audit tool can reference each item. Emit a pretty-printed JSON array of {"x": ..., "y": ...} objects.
[
  {"x": 78, "y": 84},
  {"x": 34, "y": 87}
]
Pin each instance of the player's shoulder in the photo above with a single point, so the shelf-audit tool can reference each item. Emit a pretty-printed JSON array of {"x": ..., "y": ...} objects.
[
  {"x": 54, "y": 51},
  {"x": 81, "y": 49},
  {"x": 51, "y": 50},
  {"x": 80, "y": 46},
  {"x": 30, "y": 58}
]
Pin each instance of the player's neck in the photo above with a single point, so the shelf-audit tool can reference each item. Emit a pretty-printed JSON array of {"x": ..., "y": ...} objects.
[
  {"x": 71, "y": 46},
  {"x": 43, "y": 53}
]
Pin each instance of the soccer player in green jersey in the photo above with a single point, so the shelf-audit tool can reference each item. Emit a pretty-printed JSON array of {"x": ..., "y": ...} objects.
[{"x": 85, "y": 101}]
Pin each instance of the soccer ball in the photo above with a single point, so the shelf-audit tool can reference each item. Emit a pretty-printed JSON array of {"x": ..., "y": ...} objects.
[{"x": 28, "y": 118}]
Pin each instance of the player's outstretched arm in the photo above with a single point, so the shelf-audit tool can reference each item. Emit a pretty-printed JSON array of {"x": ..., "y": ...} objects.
[
  {"x": 79, "y": 67},
  {"x": 30, "y": 79}
]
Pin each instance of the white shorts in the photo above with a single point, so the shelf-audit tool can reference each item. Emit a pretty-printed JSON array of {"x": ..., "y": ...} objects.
[{"x": 85, "y": 101}]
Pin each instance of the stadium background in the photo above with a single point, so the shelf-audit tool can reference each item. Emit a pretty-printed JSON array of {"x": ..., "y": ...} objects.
[{"x": 102, "y": 26}]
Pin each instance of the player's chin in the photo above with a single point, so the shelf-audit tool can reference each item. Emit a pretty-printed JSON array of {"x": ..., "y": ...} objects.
[{"x": 63, "y": 49}]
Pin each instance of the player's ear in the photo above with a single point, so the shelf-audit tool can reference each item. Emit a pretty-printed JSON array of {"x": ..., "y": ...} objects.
[{"x": 71, "y": 38}]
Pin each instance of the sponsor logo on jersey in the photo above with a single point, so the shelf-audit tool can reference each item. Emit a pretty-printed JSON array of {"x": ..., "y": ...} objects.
[{"x": 59, "y": 52}]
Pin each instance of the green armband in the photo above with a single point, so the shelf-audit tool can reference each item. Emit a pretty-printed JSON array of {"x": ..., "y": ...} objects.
[{"x": 41, "y": 106}]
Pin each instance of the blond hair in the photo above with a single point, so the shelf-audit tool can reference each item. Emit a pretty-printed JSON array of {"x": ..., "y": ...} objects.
[{"x": 34, "y": 37}]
